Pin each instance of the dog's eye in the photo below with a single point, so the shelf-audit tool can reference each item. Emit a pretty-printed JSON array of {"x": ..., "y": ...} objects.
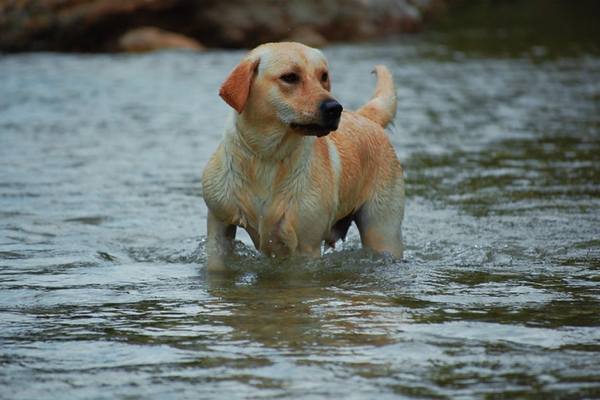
[
  {"x": 290, "y": 78},
  {"x": 324, "y": 77}
]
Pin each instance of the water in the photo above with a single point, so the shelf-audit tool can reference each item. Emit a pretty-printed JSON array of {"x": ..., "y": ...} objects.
[{"x": 103, "y": 290}]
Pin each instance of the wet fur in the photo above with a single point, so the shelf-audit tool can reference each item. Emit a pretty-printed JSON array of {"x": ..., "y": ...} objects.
[{"x": 289, "y": 191}]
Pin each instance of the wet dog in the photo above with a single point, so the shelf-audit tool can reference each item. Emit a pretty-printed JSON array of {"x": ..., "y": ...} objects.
[{"x": 294, "y": 169}]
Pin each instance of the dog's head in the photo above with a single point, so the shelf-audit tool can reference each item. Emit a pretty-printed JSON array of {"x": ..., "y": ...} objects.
[{"x": 287, "y": 85}]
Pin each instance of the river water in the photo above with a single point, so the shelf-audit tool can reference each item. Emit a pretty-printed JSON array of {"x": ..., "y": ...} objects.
[{"x": 103, "y": 290}]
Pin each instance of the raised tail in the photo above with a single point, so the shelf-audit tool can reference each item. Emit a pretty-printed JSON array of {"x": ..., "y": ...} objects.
[{"x": 382, "y": 106}]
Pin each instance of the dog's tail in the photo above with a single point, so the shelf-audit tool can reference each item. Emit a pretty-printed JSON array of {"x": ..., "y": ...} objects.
[{"x": 382, "y": 106}]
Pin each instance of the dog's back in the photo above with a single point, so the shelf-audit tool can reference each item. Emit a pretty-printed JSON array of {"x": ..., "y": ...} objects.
[{"x": 371, "y": 172}]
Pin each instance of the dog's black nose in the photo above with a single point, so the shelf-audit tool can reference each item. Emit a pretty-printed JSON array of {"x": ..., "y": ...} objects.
[{"x": 331, "y": 110}]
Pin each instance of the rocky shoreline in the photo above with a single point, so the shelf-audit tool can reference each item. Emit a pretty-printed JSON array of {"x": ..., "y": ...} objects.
[{"x": 103, "y": 25}]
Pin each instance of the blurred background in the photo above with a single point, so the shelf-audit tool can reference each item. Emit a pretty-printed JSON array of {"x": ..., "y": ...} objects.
[
  {"x": 100, "y": 25},
  {"x": 103, "y": 292},
  {"x": 114, "y": 25}
]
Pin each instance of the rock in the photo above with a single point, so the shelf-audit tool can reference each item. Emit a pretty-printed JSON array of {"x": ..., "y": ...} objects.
[
  {"x": 74, "y": 25},
  {"x": 307, "y": 36},
  {"x": 102, "y": 25},
  {"x": 246, "y": 23},
  {"x": 151, "y": 39}
]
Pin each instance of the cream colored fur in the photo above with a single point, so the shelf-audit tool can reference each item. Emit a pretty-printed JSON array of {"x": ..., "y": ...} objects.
[{"x": 292, "y": 192}]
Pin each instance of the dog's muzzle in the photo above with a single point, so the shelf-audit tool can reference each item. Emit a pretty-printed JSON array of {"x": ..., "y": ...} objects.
[{"x": 330, "y": 111}]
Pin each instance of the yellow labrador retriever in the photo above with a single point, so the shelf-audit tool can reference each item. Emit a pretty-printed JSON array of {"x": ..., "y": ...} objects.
[{"x": 295, "y": 170}]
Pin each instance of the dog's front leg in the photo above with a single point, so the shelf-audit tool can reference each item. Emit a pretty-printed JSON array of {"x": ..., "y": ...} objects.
[{"x": 219, "y": 242}]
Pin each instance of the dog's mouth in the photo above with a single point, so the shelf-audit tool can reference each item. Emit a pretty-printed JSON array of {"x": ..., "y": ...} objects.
[{"x": 313, "y": 129}]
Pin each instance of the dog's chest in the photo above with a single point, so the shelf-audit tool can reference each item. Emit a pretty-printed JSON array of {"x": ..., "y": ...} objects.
[
  {"x": 269, "y": 194},
  {"x": 278, "y": 203},
  {"x": 262, "y": 187},
  {"x": 251, "y": 190}
]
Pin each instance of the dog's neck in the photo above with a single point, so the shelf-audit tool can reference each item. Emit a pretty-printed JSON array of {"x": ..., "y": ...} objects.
[{"x": 274, "y": 142}]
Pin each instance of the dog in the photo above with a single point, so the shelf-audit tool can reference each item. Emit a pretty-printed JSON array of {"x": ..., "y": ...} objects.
[{"x": 294, "y": 169}]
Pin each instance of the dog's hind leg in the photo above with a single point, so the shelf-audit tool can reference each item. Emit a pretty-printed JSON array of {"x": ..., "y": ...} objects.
[{"x": 379, "y": 221}]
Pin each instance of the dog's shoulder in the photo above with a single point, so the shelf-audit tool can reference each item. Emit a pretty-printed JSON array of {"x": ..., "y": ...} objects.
[{"x": 216, "y": 185}]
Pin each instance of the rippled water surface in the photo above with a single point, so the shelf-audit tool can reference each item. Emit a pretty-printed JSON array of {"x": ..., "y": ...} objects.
[{"x": 103, "y": 290}]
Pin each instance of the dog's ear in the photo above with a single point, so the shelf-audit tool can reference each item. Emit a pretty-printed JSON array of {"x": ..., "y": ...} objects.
[{"x": 236, "y": 88}]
